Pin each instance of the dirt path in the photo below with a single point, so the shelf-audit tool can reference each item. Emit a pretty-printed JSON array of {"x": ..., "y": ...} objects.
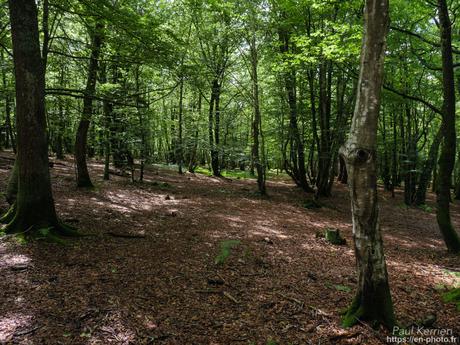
[{"x": 163, "y": 287}]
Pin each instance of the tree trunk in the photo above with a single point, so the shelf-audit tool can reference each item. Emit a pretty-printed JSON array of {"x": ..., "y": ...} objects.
[
  {"x": 81, "y": 140},
  {"x": 180, "y": 151},
  {"x": 448, "y": 148},
  {"x": 257, "y": 120},
  {"x": 34, "y": 208},
  {"x": 425, "y": 176},
  {"x": 372, "y": 302},
  {"x": 214, "y": 127},
  {"x": 295, "y": 166},
  {"x": 410, "y": 162},
  {"x": 8, "y": 126},
  {"x": 386, "y": 162},
  {"x": 192, "y": 160},
  {"x": 324, "y": 149}
]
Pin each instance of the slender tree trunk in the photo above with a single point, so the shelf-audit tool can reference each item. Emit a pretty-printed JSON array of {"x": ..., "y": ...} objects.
[
  {"x": 107, "y": 112},
  {"x": 295, "y": 167},
  {"x": 257, "y": 119},
  {"x": 61, "y": 120},
  {"x": 60, "y": 131},
  {"x": 214, "y": 127},
  {"x": 10, "y": 139},
  {"x": 386, "y": 161},
  {"x": 81, "y": 140},
  {"x": 373, "y": 300},
  {"x": 425, "y": 175},
  {"x": 324, "y": 149},
  {"x": 34, "y": 207},
  {"x": 448, "y": 148},
  {"x": 410, "y": 162},
  {"x": 192, "y": 161},
  {"x": 180, "y": 151},
  {"x": 394, "y": 157}
]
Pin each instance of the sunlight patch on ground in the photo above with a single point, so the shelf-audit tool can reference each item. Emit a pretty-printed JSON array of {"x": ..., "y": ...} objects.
[
  {"x": 13, "y": 260},
  {"x": 325, "y": 247},
  {"x": 11, "y": 324},
  {"x": 234, "y": 221},
  {"x": 323, "y": 225},
  {"x": 432, "y": 275},
  {"x": 410, "y": 243},
  {"x": 268, "y": 230}
]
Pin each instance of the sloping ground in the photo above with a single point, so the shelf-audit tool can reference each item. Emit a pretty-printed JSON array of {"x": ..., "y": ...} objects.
[{"x": 162, "y": 285}]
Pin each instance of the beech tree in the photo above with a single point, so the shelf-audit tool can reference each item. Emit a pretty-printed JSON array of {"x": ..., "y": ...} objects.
[
  {"x": 83, "y": 178},
  {"x": 448, "y": 148},
  {"x": 33, "y": 209},
  {"x": 373, "y": 299}
]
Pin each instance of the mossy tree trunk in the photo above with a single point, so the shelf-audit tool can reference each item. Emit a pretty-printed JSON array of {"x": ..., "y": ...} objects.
[
  {"x": 372, "y": 302},
  {"x": 33, "y": 208},
  {"x": 448, "y": 148}
]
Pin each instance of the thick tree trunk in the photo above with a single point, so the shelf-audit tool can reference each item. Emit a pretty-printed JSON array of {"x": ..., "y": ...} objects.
[
  {"x": 34, "y": 207},
  {"x": 448, "y": 148},
  {"x": 81, "y": 140},
  {"x": 425, "y": 175},
  {"x": 373, "y": 300}
]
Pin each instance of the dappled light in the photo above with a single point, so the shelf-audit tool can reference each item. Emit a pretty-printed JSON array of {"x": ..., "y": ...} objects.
[
  {"x": 11, "y": 324},
  {"x": 229, "y": 172}
]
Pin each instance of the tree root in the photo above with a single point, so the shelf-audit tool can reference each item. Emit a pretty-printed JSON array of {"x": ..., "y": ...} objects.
[{"x": 9, "y": 215}]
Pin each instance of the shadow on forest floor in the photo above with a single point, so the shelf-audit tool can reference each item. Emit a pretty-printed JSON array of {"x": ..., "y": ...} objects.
[{"x": 162, "y": 285}]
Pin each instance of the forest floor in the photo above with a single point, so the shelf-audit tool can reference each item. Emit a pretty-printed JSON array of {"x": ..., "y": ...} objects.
[{"x": 281, "y": 282}]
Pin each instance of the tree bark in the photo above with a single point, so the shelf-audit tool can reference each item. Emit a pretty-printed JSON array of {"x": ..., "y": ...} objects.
[
  {"x": 180, "y": 150},
  {"x": 81, "y": 140},
  {"x": 324, "y": 148},
  {"x": 34, "y": 208},
  {"x": 372, "y": 302},
  {"x": 448, "y": 148},
  {"x": 427, "y": 171},
  {"x": 214, "y": 126},
  {"x": 295, "y": 166},
  {"x": 257, "y": 120}
]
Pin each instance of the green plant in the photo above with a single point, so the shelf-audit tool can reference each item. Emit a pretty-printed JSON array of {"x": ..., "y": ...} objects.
[
  {"x": 425, "y": 208},
  {"x": 225, "y": 250},
  {"x": 452, "y": 296}
]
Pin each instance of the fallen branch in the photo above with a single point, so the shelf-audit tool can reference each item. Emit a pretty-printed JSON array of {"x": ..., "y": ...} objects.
[
  {"x": 26, "y": 332},
  {"x": 292, "y": 299},
  {"x": 231, "y": 298},
  {"x": 114, "y": 234}
]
